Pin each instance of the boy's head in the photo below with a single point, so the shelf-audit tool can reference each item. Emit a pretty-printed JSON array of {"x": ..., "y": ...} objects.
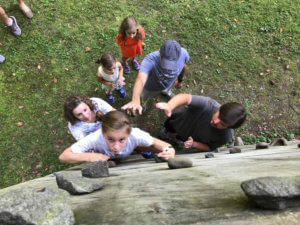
[{"x": 230, "y": 115}]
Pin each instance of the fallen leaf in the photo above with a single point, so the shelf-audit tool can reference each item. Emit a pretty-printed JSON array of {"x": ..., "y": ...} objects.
[
  {"x": 54, "y": 80},
  {"x": 10, "y": 92},
  {"x": 19, "y": 124},
  {"x": 287, "y": 67},
  {"x": 46, "y": 113},
  {"x": 280, "y": 30},
  {"x": 53, "y": 8},
  {"x": 13, "y": 74},
  {"x": 39, "y": 66},
  {"x": 271, "y": 82},
  {"x": 0, "y": 44},
  {"x": 202, "y": 91},
  {"x": 268, "y": 70},
  {"x": 59, "y": 141},
  {"x": 219, "y": 64},
  {"x": 195, "y": 82},
  {"x": 21, "y": 106},
  {"x": 87, "y": 49},
  {"x": 66, "y": 69},
  {"x": 261, "y": 74},
  {"x": 96, "y": 89},
  {"x": 101, "y": 40},
  {"x": 235, "y": 19},
  {"x": 225, "y": 27},
  {"x": 164, "y": 31},
  {"x": 206, "y": 56}
]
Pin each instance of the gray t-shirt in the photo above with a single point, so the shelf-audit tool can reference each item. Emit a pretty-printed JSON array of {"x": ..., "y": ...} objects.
[
  {"x": 194, "y": 120},
  {"x": 158, "y": 79}
]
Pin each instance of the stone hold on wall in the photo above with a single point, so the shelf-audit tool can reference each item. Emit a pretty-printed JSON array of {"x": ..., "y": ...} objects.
[
  {"x": 235, "y": 150},
  {"x": 95, "y": 169},
  {"x": 299, "y": 145},
  {"x": 158, "y": 159},
  {"x": 279, "y": 142},
  {"x": 34, "y": 207},
  {"x": 238, "y": 142},
  {"x": 209, "y": 155},
  {"x": 76, "y": 184},
  {"x": 179, "y": 162},
  {"x": 273, "y": 192},
  {"x": 262, "y": 145}
]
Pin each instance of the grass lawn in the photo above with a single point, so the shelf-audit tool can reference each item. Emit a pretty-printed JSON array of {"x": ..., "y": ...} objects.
[{"x": 245, "y": 51}]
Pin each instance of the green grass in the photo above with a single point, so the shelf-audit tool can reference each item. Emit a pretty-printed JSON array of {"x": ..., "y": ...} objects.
[{"x": 231, "y": 43}]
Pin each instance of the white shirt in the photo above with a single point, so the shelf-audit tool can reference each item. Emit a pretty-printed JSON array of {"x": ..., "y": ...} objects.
[
  {"x": 81, "y": 129},
  {"x": 95, "y": 141}
]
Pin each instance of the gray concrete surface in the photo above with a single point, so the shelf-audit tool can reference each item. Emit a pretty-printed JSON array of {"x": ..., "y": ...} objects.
[{"x": 145, "y": 192}]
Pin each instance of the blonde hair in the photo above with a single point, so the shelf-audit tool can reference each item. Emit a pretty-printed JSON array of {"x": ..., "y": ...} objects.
[{"x": 114, "y": 120}]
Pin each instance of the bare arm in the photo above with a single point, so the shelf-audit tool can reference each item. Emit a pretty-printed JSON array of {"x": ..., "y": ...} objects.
[
  {"x": 135, "y": 103},
  {"x": 176, "y": 101},
  {"x": 69, "y": 157},
  {"x": 190, "y": 143},
  {"x": 178, "y": 83}
]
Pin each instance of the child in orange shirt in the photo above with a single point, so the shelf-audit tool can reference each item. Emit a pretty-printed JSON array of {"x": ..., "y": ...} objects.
[{"x": 130, "y": 40}]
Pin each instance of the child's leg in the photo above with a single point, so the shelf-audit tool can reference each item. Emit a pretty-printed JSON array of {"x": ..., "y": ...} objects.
[
  {"x": 121, "y": 90},
  {"x": 110, "y": 97},
  {"x": 135, "y": 64},
  {"x": 25, "y": 9},
  {"x": 4, "y": 17},
  {"x": 125, "y": 65}
]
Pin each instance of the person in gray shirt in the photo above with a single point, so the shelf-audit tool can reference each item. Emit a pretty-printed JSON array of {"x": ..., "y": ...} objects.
[
  {"x": 203, "y": 123},
  {"x": 159, "y": 71}
]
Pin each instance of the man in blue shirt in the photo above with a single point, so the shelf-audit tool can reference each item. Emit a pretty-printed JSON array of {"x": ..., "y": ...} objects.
[{"x": 159, "y": 71}]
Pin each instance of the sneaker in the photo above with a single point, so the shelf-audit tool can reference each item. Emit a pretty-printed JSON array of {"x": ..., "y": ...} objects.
[
  {"x": 126, "y": 67},
  {"x": 110, "y": 98},
  {"x": 147, "y": 155},
  {"x": 122, "y": 92},
  {"x": 2, "y": 59},
  {"x": 168, "y": 94},
  {"x": 135, "y": 64},
  {"x": 15, "y": 29}
]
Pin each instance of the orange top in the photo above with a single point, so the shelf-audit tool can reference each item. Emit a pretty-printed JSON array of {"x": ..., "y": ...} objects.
[{"x": 130, "y": 47}]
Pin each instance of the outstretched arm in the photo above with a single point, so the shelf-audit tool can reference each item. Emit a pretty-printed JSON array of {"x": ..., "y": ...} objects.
[
  {"x": 135, "y": 103},
  {"x": 69, "y": 157},
  {"x": 190, "y": 143},
  {"x": 176, "y": 101}
]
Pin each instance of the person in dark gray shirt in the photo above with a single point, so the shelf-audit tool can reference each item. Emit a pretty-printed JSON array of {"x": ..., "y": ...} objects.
[{"x": 203, "y": 124}]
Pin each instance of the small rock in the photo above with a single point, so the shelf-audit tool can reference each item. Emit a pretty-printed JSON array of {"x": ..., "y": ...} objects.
[
  {"x": 279, "y": 142},
  {"x": 76, "y": 184},
  {"x": 95, "y": 169},
  {"x": 238, "y": 142},
  {"x": 209, "y": 155},
  {"x": 262, "y": 145},
  {"x": 235, "y": 150},
  {"x": 273, "y": 192},
  {"x": 179, "y": 162}
]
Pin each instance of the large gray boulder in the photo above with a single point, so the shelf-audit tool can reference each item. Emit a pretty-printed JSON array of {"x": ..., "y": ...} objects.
[
  {"x": 76, "y": 184},
  {"x": 95, "y": 169},
  {"x": 36, "y": 207},
  {"x": 273, "y": 192}
]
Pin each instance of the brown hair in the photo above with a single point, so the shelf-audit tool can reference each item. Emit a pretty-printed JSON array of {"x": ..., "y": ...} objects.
[
  {"x": 233, "y": 114},
  {"x": 71, "y": 103},
  {"x": 114, "y": 120},
  {"x": 107, "y": 60},
  {"x": 128, "y": 23}
]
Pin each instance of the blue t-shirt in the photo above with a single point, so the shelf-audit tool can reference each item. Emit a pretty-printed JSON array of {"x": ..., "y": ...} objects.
[{"x": 158, "y": 79}]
